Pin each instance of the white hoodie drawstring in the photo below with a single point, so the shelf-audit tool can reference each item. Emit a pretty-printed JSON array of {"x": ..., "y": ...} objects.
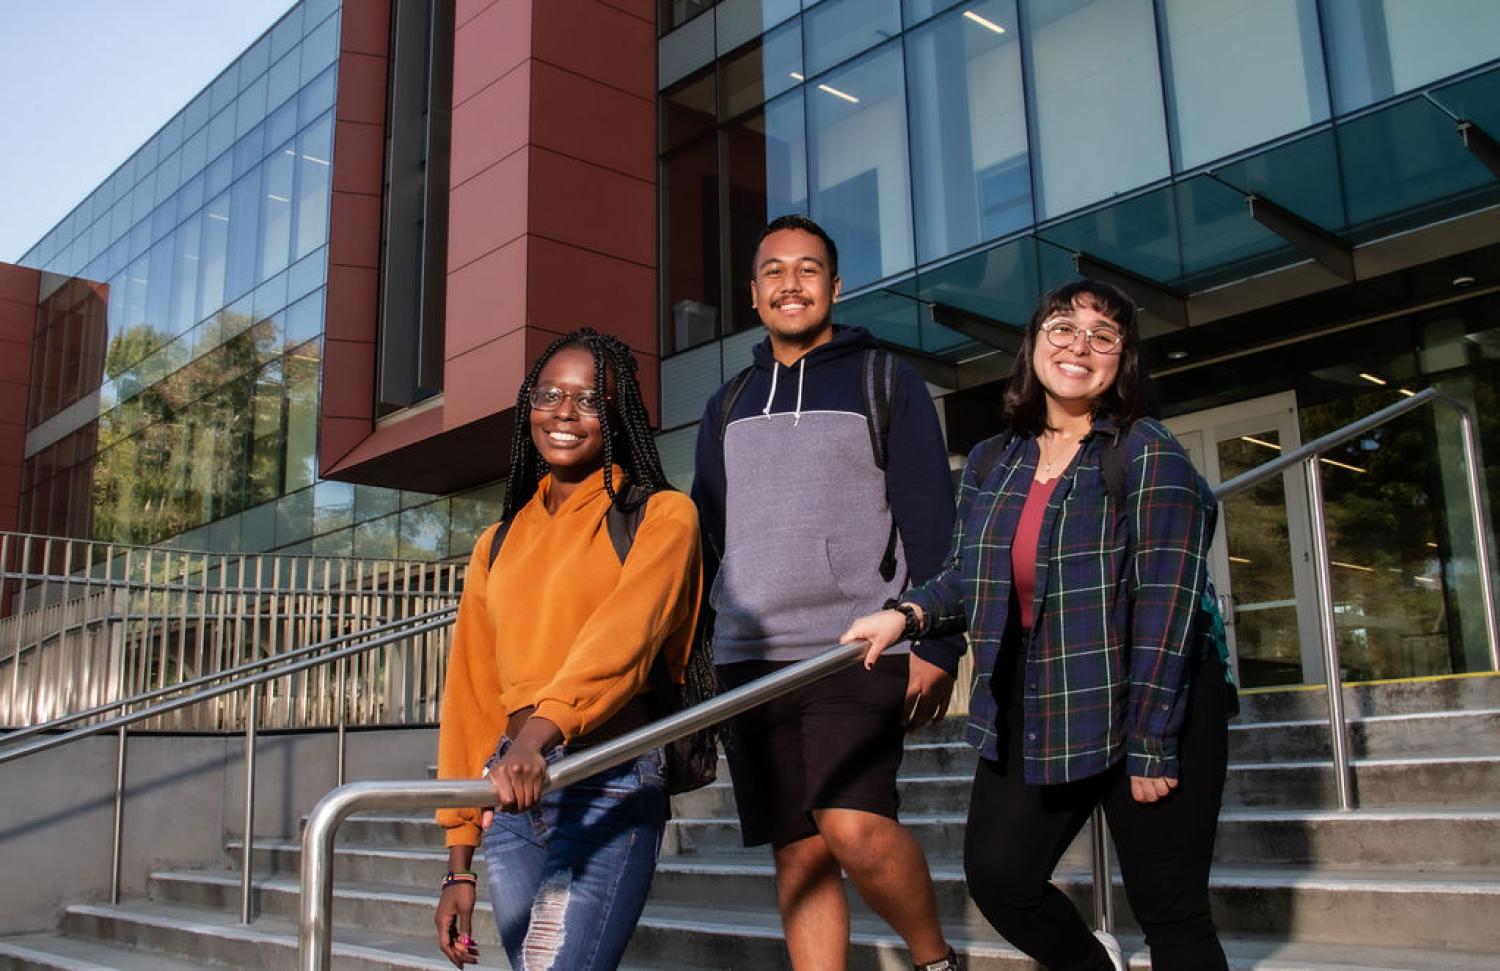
[
  {"x": 797, "y": 412},
  {"x": 770, "y": 399}
]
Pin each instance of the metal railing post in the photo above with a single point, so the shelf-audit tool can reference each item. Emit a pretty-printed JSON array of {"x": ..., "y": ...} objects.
[
  {"x": 1104, "y": 897},
  {"x": 1338, "y": 730},
  {"x": 251, "y": 713},
  {"x": 1481, "y": 531},
  {"x": 342, "y": 734},
  {"x": 117, "y": 852}
]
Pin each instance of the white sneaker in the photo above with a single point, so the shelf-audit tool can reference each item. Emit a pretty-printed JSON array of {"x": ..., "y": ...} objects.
[{"x": 1112, "y": 947}]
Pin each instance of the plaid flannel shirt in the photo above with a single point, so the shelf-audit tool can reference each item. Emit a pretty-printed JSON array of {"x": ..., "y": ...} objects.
[{"x": 1116, "y": 595}]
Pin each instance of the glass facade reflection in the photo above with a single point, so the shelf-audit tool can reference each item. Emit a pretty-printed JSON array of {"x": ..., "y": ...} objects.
[
  {"x": 177, "y": 398},
  {"x": 921, "y": 131}
]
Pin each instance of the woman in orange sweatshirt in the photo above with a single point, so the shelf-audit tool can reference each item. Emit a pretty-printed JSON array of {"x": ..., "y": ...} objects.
[{"x": 553, "y": 651}]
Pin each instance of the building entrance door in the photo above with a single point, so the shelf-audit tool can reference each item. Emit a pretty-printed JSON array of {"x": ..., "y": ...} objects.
[{"x": 1261, "y": 558}]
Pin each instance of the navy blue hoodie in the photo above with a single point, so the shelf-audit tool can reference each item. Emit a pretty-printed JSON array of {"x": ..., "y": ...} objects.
[{"x": 797, "y": 515}]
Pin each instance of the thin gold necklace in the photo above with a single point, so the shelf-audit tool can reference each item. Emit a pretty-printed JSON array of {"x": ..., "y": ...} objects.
[{"x": 1047, "y": 463}]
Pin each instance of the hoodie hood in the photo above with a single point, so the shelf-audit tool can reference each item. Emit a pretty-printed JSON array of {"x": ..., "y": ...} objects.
[{"x": 846, "y": 340}]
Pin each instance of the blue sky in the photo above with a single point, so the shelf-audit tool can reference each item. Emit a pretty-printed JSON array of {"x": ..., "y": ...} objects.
[{"x": 83, "y": 83}]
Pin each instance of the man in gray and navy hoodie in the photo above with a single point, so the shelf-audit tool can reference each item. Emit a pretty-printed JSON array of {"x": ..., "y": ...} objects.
[{"x": 822, "y": 493}]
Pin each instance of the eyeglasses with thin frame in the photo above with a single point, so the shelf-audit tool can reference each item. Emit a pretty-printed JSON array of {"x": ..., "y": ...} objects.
[
  {"x": 549, "y": 398},
  {"x": 1062, "y": 332}
]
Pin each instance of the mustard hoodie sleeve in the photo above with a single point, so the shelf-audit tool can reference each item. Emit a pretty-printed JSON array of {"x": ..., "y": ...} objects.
[
  {"x": 655, "y": 601},
  {"x": 471, "y": 721}
]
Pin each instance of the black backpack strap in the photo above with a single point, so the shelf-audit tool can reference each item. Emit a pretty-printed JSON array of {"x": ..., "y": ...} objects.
[
  {"x": 732, "y": 392},
  {"x": 497, "y": 539},
  {"x": 879, "y": 373},
  {"x": 623, "y": 523},
  {"x": 1112, "y": 469},
  {"x": 878, "y": 370},
  {"x": 987, "y": 462}
]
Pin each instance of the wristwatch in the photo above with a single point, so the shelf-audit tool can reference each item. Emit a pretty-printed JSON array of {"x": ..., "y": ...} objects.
[{"x": 913, "y": 625}]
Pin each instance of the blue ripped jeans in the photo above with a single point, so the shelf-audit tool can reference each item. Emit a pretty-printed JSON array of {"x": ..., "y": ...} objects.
[{"x": 568, "y": 878}]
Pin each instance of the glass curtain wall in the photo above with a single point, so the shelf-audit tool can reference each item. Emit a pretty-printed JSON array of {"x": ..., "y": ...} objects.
[
  {"x": 924, "y": 130},
  {"x": 179, "y": 396}
]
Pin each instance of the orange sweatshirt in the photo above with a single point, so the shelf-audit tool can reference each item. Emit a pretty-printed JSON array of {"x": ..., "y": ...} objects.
[{"x": 562, "y": 625}]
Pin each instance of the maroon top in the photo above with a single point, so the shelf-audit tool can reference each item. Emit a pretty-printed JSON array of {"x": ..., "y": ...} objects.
[{"x": 1023, "y": 547}]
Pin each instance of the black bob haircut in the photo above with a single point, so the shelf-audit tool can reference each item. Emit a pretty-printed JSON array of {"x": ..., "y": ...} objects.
[
  {"x": 1126, "y": 401},
  {"x": 627, "y": 433},
  {"x": 796, "y": 221}
]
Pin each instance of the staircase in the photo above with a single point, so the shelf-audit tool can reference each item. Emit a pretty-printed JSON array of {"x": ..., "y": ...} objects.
[{"x": 1411, "y": 881}]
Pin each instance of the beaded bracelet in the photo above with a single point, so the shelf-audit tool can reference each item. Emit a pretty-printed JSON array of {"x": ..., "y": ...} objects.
[{"x": 459, "y": 876}]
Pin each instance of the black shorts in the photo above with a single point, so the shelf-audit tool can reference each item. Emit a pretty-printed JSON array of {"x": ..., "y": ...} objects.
[{"x": 835, "y": 744}]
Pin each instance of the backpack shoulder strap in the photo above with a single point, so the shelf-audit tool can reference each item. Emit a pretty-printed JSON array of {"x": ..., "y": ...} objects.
[
  {"x": 733, "y": 390},
  {"x": 988, "y": 461},
  {"x": 879, "y": 374},
  {"x": 623, "y": 523},
  {"x": 496, "y": 540},
  {"x": 1112, "y": 468}
]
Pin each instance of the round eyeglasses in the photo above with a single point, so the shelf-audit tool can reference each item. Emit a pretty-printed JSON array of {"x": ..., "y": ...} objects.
[
  {"x": 1062, "y": 332},
  {"x": 547, "y": 398}
]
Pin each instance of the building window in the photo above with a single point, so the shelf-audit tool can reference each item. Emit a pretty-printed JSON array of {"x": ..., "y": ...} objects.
[
  {"x": 414, "y": 257},
  {"x": 1096, "y": 99},
  {"x": 1241, "y": 72},
  {"x": 857, "y": 163},
  {"x": 970, "y": 165}
]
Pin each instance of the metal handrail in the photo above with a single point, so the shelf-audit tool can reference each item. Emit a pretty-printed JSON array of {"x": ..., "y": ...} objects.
[
  {"x": 442, "y": 613},
  {"x": 1308, "y": 455},
  {"x": 315, "y": 941},
  {"x": 315, "y": 933},
  {"x": 121, "y": 723}
]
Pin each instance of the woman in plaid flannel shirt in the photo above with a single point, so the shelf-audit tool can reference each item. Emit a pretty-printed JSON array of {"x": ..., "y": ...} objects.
[{"x": 1081, "y": 600}]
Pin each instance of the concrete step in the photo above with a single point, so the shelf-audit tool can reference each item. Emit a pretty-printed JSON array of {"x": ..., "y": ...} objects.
[
  {"x": 1453, "y": 693},
  {"x": 1379, "y": 838},
  {"x": 215, "y": 937},
  {"x": 1443, "y": 733},
  {"x": 717, "y": 937},
  {"x": 726, "y": 935},
  {"x": 1396, "y": 783},
  {"x": 1323, "y": 903},
  {"x": 53, "y": 952},
  {"x": 1407, "y": 908}
]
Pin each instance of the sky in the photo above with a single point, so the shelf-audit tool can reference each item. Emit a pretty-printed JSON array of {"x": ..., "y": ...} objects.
[{"x": 84, "y": 83}]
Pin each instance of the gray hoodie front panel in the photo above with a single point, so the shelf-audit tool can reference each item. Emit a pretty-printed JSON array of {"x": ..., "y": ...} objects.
[{"x": 807, "y": 523}]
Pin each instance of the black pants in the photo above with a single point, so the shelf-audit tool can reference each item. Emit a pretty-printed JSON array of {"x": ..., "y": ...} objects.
[{"x": 1017, "y": 832}]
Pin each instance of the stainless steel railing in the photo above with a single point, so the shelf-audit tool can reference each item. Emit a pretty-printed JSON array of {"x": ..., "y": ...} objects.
[
  {"x": 86, "y": 625},
  {"x": 1308, "y": 456},
  {"x": 314, "y": 935},
  {"x": 315, "y": 941},
  {"x": 335, "y": 651}
]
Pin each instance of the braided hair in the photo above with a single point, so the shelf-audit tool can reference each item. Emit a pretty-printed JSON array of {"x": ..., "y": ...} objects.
[{"x": 627, "y": 430}]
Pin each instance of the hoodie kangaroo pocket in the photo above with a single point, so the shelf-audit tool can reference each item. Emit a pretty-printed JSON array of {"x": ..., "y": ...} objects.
[{"x": 779, "y": 589}]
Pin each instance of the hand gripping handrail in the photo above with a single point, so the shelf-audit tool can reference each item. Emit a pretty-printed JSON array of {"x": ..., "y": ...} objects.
[
  {"x": 315, "y": 931},
  {"x": 315, "y": 941}
]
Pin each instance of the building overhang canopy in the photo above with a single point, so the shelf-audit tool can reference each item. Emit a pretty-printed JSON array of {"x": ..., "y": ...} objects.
[{"x": 1191, "y": 249}]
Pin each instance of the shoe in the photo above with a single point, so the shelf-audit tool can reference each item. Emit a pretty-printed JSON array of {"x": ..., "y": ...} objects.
[
  {"x": 948, "y": 962},
  {"x": 1112, "y": 948}
]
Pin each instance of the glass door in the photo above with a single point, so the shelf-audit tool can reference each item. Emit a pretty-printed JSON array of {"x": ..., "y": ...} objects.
[{"x": 1261, "y": 558}]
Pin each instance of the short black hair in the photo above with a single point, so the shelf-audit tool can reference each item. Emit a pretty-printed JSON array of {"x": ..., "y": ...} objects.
[
  {"x": 794, "y": 220},
  {"x": 627, "y": 439},
  {"x": 1127, "y": 400}
]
